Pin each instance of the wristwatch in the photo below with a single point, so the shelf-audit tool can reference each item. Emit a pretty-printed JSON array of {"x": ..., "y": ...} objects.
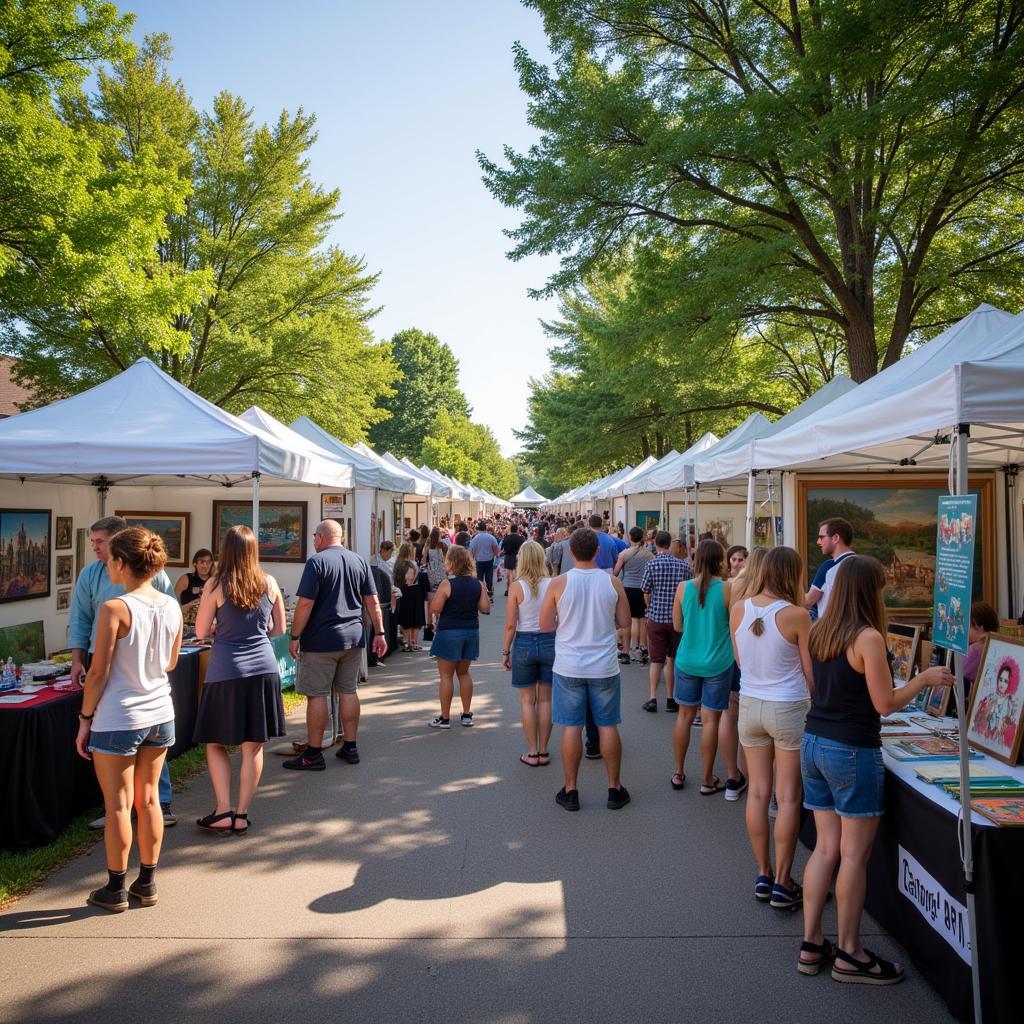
[
  {"x": 293, "y": 638},
  {"x": 505, "y": 654},
  {"x": 86, "y": 718}
]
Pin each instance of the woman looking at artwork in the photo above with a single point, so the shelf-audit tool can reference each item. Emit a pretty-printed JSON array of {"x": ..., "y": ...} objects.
[
  {"x": 770, "y": 629},
  {"x": 189, "y": 587},
  {"x": 456, "y": 644},
  {"x": 984, "y": 620},
  {"x": 841, "y": 764},
  {"x": 127, "y": 719},
  {"x": 241, "y": 702},
  {"x": 528, "y": 653}
]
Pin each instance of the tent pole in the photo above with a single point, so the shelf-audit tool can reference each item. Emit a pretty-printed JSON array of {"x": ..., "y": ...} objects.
[
  {"x": 963, "y": 433},
  {"x": 751, "y": 498},
  {"x": 696, "y": 512},
  {"x": 771, "y": 507},
  {"x": 686, "y": 520},
  {"x": 1010, "y": 502},
  {"x": 661, "y": 511},
  {"x": 256, "y": 508}
]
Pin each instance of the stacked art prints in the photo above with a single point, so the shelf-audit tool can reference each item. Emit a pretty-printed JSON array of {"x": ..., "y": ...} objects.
[
  {"x": 997, "y": 704},
  {"x": 172, "y": 529},
  {"x": 282, "y": 527},
  {"x": 24, "y": 554},
  {"x": 898, "y": 526},
  {"x": 902, "y": 642}
]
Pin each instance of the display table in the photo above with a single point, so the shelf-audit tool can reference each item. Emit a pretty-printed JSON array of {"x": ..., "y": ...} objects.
[
  {"x": 45, "y": 784},
  {"x": 916, "y": 891}
]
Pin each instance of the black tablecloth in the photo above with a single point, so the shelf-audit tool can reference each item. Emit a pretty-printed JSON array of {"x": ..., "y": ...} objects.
[
  {"x": 44, "y": 784},
  {"x": 928, "y": 834}
]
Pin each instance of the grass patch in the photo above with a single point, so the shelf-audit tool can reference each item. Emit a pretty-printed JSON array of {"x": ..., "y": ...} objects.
[
  {"x": 292, "y": 700},
  {"x": 22, "y": 872}
]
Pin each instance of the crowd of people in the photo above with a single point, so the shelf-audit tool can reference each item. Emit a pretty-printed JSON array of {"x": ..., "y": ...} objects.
[{"x": 786, "y": 684}]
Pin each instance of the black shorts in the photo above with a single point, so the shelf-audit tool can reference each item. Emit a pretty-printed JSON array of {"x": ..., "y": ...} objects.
[{"x": 637, "y": 606}]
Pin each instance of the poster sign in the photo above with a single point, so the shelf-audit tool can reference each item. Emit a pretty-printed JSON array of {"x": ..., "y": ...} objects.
[
  {"x": 954, "y": 570},
  {"x": 948, "y": 916}
]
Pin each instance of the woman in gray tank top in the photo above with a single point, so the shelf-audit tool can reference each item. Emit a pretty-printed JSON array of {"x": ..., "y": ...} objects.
[
  {"x": 241, "y": 701},
  {"x": 630, "y": 570}
]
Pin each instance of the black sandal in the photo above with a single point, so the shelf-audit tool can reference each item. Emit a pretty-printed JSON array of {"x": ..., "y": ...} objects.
[
  {"x": 240, "y": 831},
  {"x": 826, "y": 954},
  {"x": 682, "y": 780},
  {"x": 207, "y": 823},
  {"x": 862, "y": 974}
]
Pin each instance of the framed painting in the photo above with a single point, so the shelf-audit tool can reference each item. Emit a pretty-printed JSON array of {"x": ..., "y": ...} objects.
[
  {"x": 936, "y": 700},
  {"x": 62, "y": 538},
  {"x": 994, "y": 717},
  {"x": 902, "y": 641},
  {"x": 79, "y": 551},
  {"x": 647, "y": 520},
  {"x": 24, "y": 553},
  {"x": 396, "y": 519},
  {"x": 23, "y": 643},
  {"x": 895, "y": 520},
  {"x": 65, "y": 569},
  {"x": 283, "y": 526},
  {"x": 172, "y": 529},
  {"x": 332, "y": 506},
  {"x": 721, "y": 528},
  {"x": 63, "y": 599}
]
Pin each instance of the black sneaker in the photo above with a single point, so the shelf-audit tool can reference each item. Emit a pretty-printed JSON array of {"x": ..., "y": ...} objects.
[
  {"x": 617, "y": 798},
  {"x": 734, "y": 788},
  {"x": 650, "y": 705},
  {"x": 671, "y": 705},
  {"x": 105, "y": 899},
  {"x": 570, "y": 801},
  {"x": 623, "y": 658},
  {"x": 466, "y": 718},
  {"x": 787, "y": 899},
  {"x": 145, "y": 894},
  {"x": 350, "y": 754},
  {"x": 593, "y": 753},
  {"x": 169, "y": 819},
  {"x": 437, "y": 722},
  {"x": 645, "y": 656},
  {"x": 307, "y": 762}
]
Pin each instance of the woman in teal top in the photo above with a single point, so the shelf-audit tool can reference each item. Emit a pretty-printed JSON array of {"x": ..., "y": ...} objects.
[{"x": 704, "y": 660}]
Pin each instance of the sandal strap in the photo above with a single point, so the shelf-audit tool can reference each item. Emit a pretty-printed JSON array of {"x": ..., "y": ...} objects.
[
  {"x": 212, "y": 819},
  {"x": 812, "y": 947}
]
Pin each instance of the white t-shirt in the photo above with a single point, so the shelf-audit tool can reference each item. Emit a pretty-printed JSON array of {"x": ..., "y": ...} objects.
[{"x": 830, "y": 577}]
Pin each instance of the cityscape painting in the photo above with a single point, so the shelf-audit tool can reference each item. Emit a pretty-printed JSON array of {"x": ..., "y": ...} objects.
[{"x": 24, "y": 553}]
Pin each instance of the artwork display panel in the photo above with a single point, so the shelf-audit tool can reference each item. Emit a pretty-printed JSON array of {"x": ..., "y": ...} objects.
[
  {"x": 171, "y": 527},
  {"x": 994, "y": 717},
  {"x": 283, "y": 526},
  {"x": 63, "y": 599},
  {"x": 62, "y": 538},
  {"x": 902, "y": 641},
  {"x": 25, "y": 546},
  {"x": 896, "y": 522},
  {"x": 65, "y": 569}
]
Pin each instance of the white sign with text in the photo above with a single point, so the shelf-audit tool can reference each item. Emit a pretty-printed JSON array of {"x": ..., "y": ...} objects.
[{"x": 945, "y": 914}]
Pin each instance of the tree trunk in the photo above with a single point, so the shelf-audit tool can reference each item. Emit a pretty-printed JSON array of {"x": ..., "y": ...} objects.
[
  {"x": 861, "y": 350},
  {"x": 645, "y": 445},
  {"x": 688, "y": 426}
]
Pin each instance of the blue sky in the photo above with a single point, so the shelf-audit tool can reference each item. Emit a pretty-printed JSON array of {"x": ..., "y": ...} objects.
[{"x": 404, "y": 93}]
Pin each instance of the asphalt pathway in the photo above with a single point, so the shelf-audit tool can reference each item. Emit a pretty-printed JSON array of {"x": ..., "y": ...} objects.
[{"x": 438, "y": 880}]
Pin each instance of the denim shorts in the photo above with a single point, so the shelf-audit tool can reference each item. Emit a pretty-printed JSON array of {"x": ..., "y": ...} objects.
[
  {"x": 533, "y": 654},
  {"x": 571, "y": 695},
  {"x": 838, "y": 777},
  {"x": 126, "y": 742},
  {"x": 456, "y": 644},
  {"x": 711, "y": 692}
]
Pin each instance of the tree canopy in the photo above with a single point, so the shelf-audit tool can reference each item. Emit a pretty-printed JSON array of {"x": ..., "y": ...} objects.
[
  {"x": 469, "y": 452},
  {"x": 429, "y": 385},
  {"x": 141, "y": 226},
  {"x": 807, "y": 173}
]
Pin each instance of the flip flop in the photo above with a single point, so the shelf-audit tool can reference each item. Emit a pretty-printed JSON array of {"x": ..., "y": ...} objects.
[
  {"x": 716, "y": 787},
  {"x": 544, "y": 758},
  {"x": 525, "y": 758}
]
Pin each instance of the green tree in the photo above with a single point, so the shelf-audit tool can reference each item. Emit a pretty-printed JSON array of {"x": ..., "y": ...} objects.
[
  {"x": 78, "y": 235},
  {"x": 429, "y": 385},
  {"x": 854, "y": 166},
  {"x": 469, "y": 452}
]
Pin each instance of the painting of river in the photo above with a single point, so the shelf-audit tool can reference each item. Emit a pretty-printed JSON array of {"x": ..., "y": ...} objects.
[{"x": 282, "y": 527}]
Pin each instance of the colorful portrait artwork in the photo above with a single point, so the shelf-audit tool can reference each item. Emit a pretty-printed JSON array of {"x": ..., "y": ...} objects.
[
  {"x": 994, "y": 721},
  {"x": 1003, "y": 810}
]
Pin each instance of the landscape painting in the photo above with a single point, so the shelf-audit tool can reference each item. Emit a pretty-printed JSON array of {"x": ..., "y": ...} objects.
[
  {"x": 895, "y": 524},
  {"x": 171, "y": 527},
  {"x": 24, "y": 553},
  {"x": 282, "y": 527}
]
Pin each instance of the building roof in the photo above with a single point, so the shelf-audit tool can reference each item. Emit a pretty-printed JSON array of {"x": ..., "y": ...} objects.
[{"x": 11, "y": 394}]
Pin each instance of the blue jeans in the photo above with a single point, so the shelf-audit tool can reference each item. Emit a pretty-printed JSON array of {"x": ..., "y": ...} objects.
[
  {"x": 573, "y": 697},
  {"x": 533, "y": 654},
  {"x": 711, "y": 692},
  {"x": 126, "y": 743},
  {"x": 838, "y": 777},
  {"x": 485, "y": 572},
  {"x": 165, "y": 784}
]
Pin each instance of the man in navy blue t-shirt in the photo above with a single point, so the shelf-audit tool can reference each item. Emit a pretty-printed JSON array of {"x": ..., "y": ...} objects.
[
  {"x": 834, "y": 538},
  {"x": 607, "y": 549},
  {"x": 327, "y": 641}
]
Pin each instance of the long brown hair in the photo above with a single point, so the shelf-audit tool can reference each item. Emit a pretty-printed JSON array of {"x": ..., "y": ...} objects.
[
  {"x": 779, "y": 572},
  {"x": 239, "y": 574},
  {"x": 707, "y": 564},
  {"x": 856, "y": 602}
]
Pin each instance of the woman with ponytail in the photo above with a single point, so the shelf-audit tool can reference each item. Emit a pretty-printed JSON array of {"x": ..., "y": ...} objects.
[
  {"x": 241, "y": 702},
  {"x": 127, "y": 718},
  {"x": 704, "y": 662},
  {"x": 770, "y": 628}
]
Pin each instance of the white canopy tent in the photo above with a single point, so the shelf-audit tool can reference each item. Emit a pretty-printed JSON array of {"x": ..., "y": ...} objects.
[
  {"x": 528, "y": 498},
  {"x": 366, "y": 472},
  {"x": 617, "y": 488}
]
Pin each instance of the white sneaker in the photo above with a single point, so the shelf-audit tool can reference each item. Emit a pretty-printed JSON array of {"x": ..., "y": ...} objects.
[{"x": 440, "y": 723}]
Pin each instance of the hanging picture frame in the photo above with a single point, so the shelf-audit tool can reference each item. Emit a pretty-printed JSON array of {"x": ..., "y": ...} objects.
[
  {"x": 282, "y": 527},
  {"x": 902, "y": 640},
  {"x": 171, "y": 527},
  {"x": 62, "y": 533},
  {"x": 25, "y": 546}
]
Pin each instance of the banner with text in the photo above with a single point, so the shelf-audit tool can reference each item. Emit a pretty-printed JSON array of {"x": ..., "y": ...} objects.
[{"x": 954, "y": 570}]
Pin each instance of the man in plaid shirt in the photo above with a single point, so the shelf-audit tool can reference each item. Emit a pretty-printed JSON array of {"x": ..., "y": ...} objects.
[{"x": 662, "y": 575}]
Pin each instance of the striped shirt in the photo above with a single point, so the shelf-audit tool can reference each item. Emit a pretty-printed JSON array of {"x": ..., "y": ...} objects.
[{"x": 662, "y": 575}]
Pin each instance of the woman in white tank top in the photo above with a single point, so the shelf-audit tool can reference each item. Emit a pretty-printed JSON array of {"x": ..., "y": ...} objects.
[
  {"x": 127, "y": 718},
  {"x": 529, "y": 653},
  {"x": 770, "y": 629}
]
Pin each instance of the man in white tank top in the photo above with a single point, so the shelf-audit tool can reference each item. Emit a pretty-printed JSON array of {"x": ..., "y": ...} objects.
[{"x": 585, "y": 608}]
